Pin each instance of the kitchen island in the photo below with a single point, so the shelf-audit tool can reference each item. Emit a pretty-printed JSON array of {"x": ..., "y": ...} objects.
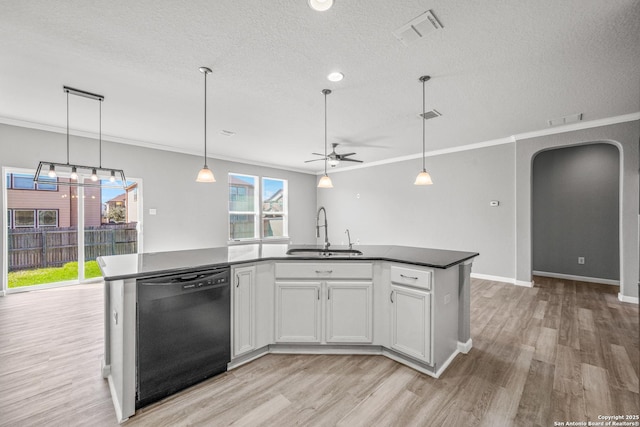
[{"x": 409, "y": 304}]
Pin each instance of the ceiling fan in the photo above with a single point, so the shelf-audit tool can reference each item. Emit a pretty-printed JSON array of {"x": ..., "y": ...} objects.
[{"x": 334, "y": 158}]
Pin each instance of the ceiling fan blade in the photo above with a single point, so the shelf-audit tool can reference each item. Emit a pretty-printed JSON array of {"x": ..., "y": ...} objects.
[
  {"x": 345, "y": 155},
  {"x": 318, "y": 154},
  {"x": 314, "y": 160},
  {"x": 351, "y": 160}
]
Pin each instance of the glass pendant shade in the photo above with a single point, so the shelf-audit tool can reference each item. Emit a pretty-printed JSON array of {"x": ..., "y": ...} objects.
[
  {"x": 325, "y": 182},
  {"x": 205, "y": 175},
  {"x": 320, "y": 5},
  {"x": 423, "y": 178}
]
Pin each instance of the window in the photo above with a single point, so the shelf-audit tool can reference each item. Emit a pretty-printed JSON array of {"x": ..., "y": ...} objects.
[
  {"x": 254, "y": 213},
  {"x": 47, "y": 218},
  {"x": 24, "y": 218},
  {"x": 242, "y": 207},
  {"x": 274, "y": 208},
  {"x": 25, "y": 182}
]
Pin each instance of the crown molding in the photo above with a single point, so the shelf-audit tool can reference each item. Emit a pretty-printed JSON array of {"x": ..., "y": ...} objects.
[
  {"x": 511, "y": 139},
  {"x": 137, "y": 143}
]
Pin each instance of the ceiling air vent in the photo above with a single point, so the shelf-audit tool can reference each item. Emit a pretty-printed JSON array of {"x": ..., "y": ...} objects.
[
  {"x": 430, "y": 114},
  {"x": 573, "y": 118},
  {"x": 418, "y": 28}
]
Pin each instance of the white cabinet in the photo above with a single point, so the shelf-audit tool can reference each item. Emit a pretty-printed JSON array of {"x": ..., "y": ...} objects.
[
  {"x": 244, "y": 310},
  {"x": 314, "y": 305},
  {"x": 349, "y": 312},
  {"x": 298, "y": 311},
  {"x": 411, "y": 313}
]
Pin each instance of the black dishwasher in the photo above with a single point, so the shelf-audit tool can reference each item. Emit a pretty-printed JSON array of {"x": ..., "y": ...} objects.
[{"x": 183, "y": 331}]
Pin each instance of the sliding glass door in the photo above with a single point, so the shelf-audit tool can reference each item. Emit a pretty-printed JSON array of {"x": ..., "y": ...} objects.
[{"x": 54, "y": 232}]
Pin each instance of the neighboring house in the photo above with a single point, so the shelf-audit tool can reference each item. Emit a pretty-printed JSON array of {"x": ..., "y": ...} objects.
[
  {"x": 35, "y": 205},
  {"x": 127, "y": 202},
  {"x": 274, "y": 203}
]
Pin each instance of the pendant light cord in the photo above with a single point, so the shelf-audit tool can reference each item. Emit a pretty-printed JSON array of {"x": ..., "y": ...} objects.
[
  {"x": 423, "y": 125},
  {"x": 205, "y": 119},
  {"x": 325, "y": 132},
  {"x": 67, "y": 126}
]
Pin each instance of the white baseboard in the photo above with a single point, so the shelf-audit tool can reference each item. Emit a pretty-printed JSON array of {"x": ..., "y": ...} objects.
[
  {"x": 493, "y": 278},
  {"x": 578, "y": 278},
  {"x": 465, "y": 347},
  {"x": 510, "y": 280},
  {"x": 524, "y": 283},
  {"x": 624, "y": 298}
]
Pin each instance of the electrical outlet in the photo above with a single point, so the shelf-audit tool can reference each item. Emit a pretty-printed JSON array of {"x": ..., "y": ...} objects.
[{"x": 580, "y": 260}]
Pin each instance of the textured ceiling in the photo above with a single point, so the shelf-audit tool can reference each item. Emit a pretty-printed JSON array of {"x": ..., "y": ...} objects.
[{"x": 498, "y": 68}]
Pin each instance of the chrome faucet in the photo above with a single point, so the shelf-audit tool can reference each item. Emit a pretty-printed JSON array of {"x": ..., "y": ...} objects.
[
  {"x": 326, "y": 230},
  {"x": 349, "y": 237}
]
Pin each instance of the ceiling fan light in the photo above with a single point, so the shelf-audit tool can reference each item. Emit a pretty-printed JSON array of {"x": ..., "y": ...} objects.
[
  {"x": 320, "y": 5},
  {"x": 423, "y": 178},
  {"x": 333, "y": 162},
  {"x": 205, "y": 175},
  {"x": 325, "y": 182}
]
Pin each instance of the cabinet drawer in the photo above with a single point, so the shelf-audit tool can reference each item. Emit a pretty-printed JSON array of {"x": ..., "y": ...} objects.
[
  {"x": 323, "y": 270},
  {"x": 411, "y": 277}
]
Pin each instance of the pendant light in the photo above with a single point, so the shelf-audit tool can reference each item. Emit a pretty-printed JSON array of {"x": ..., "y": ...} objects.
[
  {"x": 423, "y": 177},
  {"x": 325, "y": 181},
  {"x": 320, "y": 5},
  {"x": 55, "y": 167},
  {"x": 205, "y": 174}
]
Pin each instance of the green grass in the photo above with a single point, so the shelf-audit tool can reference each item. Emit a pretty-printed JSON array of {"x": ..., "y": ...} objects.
[{"x": 40, "y": 276}]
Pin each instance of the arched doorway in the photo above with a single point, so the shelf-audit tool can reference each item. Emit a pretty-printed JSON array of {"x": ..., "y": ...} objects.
[{"x": 575, "y": 208}]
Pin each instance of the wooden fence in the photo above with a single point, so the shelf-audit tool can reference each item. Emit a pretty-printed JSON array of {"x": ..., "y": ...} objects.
[{"x": 30, "y": 248}]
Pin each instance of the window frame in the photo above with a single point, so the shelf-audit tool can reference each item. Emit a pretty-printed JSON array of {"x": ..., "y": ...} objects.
[
  {"x": 258, "y": 213},
  {"x": 255, "y": 213},
  {"x": 13, "y": 218},
  {"x": 35, "y": 186},
  {"x": 39, "y": 211},
  {"x": 284, "y": 213}
]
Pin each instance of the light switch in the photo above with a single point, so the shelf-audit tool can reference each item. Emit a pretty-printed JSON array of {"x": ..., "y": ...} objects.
[
  {"x": 494, "y": 203},
  {"x": 152, "y": 212}
]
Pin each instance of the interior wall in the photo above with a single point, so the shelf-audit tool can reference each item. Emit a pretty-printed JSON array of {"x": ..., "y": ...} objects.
[
  {"x": 575, "y": 205},
  {"x": 380, "y": 205},
  {"x": 625, "y": 136},
  {"x": 190, "y": 215}
]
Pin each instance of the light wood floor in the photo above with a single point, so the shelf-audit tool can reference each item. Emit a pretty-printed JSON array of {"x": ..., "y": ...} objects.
[{"x": 562, "y": 351}]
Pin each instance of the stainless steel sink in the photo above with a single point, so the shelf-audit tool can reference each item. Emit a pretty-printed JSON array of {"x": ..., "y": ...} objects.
[{"x": 323, "y": 252}]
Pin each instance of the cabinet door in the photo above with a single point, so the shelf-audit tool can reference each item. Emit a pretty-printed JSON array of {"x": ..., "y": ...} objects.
[
  {"x": 298, "y": 311},
  {"x": 411, "y": 322},
  {"x": 244, "y": 300},
  {"x": 349, "y": 312}
]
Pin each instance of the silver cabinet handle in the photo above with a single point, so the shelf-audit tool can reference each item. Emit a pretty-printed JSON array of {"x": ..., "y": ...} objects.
[
  {"x": 391, "y": 297},
  {"x": 324, "y": 271},
  {"x": 408, "y": 277},
  {"x": 237, "y": 281},
  {"x": 328, "y": 293},
  {"x": 318, "y": 294}
]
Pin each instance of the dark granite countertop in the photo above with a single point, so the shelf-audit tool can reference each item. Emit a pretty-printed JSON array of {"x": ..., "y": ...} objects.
[{"x": 119, "y": 267}]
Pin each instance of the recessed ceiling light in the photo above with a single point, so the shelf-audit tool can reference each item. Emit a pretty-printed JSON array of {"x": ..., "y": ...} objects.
[
  {"x": 335, "y": 76},
  {"x": 320, "y": 5}
]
